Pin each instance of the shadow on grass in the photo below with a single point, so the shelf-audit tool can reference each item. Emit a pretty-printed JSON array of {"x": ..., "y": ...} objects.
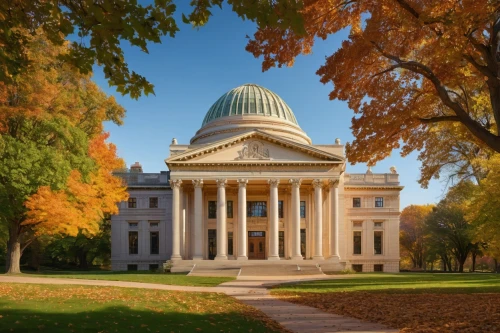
[
  {"x": 414, "y": 283},
  {"x": 120, "y": 319}
]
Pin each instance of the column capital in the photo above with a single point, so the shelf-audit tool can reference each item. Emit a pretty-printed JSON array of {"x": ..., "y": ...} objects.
[
  {"x": 274, "y": 182},
  {"x": 221, "y": 182},
  {"x": 333, "y": 182},
  {"x": 317, "y": 183},
  {"x": 198, "y": 183},
  {"x": 242, "y": 182},
  {"x": 175, "y": 183},
  {"x": 295, "y": 182}
]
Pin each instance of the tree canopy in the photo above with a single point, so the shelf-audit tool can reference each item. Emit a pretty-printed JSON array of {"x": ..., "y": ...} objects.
[
  {"x": 55, "y": 164},
  {"x": 410, "y": 69}
]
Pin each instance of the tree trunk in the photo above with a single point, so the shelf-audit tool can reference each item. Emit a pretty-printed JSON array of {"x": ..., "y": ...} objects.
[
  {"x": 82, "y": 258},
  {"x": 474, "y": 255},
  {"x": 13, "y": 265}
]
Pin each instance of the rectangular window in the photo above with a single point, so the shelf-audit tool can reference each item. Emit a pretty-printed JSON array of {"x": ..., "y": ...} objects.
[
  {"x": 280, "y": 209},
  {"x": 357, "y": 268},
  {"x": 131, "y": 267},
  {"x": 133, "y": 242},
  {"x": 303, "y": 242},
  {"x": 154, "y": 238},
  {"x": 212, "y": 209},
  {"x": 153, "y": 267},
  {"x": 229, "y": 243},
  {"x": 133, "y": 225},
  {"x": 256, "y": 234},
  {"x": 212, "y": 243},
  {"x": 132, "y": 202},
  {"x": 377, "y": 242},
  {"x": 302, "y": 209},
  {"x": 154, "y": 224},
  {"x": 153, "y": 202},
  {"x": 379, "y": 202},
  {"x": 356, "y": 202},
  {"x": 378, "y": 268},
  {"x": 281, "y": 244},
  {"x": 378, "y": 224},
  {"x": 229, "y": 206},
  {"x": 356, "y": 242},
  {"x": 256, "y": 209}
]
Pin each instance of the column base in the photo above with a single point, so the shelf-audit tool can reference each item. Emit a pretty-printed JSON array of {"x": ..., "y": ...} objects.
[
  {"x": 335, "y": 259},
  {"x": 297, "y": 257},
  {"x": 175, "y": 257},
  {"x": 240, "y": 258},
  {"x": 273, "y": 258},
  {"x": 318, "y": 258},
  {"x": 221, "y": 257}
]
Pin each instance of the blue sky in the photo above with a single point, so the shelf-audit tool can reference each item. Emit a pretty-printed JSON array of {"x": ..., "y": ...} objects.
[{"x": 191, "y": 71}]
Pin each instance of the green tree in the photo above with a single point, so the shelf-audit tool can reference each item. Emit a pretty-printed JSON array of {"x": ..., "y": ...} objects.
[
  {"x": 449, "y": 231},
  {"x": 50, "y": 117}
]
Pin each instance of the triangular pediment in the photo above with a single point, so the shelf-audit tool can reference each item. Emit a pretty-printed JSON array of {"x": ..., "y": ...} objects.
[{"x": 254, "y": 147}]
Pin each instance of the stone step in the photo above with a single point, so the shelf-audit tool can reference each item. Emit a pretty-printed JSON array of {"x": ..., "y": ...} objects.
[
  {"x": 280, "y": 270},
  {"x": 215, "y": 271}
]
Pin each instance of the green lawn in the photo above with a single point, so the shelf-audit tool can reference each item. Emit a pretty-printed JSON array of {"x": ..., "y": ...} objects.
[
  {"x": 178, "y": 279},
  {"x": 401, "y": 283},
  {"x": 44, "y": 308}
]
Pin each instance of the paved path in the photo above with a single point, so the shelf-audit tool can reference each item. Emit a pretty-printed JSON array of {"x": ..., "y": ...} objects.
[{"x": 296, "y": 318}]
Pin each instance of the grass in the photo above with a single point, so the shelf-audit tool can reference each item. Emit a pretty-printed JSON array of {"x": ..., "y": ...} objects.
[
  {"x": 415, "y": 283},
  {"x": 48, "y": 308},
  {"x": 178, "y": 279}
]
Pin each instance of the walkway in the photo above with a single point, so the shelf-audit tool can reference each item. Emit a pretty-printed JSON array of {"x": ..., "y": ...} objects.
[{"x": 294, "y": 317}]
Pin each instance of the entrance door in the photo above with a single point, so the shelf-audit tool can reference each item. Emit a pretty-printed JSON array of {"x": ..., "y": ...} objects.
[{"x": 256, "y": 245}]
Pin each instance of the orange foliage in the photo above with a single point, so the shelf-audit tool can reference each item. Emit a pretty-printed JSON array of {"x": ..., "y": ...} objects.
[
  {"x": 82, "y": 205},
  {"x": 408, "y": 69}
]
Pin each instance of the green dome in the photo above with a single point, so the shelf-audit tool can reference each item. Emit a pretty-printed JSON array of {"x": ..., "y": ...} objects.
[{"x": 250, "y": 99}]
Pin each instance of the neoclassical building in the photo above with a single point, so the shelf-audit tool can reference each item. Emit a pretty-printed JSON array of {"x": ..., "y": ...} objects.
[{"x": 251, "y": 185}]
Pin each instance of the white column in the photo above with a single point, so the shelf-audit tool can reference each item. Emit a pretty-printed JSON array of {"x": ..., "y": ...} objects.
[
  {"x": 198, "y": 219},
  {"x": 175, "y": 184},
  {"x": 334, "y": 204},
  {"x": 242, "y": 219},
  {"x": 318, "y": 219},
  {"x": 296, "y": 218},
  {"x": 273, "y": 253},
  {"x": 221, "y": 220}
]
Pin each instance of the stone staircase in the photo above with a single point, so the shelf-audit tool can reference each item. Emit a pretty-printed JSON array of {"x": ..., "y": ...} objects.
[
  {"x": 281, "y": 270},
  {"x": 248, "y": 269}
]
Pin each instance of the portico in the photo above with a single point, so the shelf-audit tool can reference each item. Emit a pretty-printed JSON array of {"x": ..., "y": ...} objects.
[{"x": 279, "y": 210}]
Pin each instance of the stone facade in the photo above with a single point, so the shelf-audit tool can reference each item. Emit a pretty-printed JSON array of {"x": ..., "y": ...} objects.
[{"x": 254, "y": 187}]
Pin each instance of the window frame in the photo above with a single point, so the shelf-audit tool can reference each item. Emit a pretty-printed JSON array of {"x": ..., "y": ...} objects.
[
  {"x": 256, "y": 208},
  {"x": 379, "y": 202},
  {"x": 132, "y": 202},
  {"x": 229, "y": 209},
  {"x": 303, "y": 209},
  {"x": 281, "y": 209},
  {"x": 151, "y": 202},
  {"x": 356, "y": 202},
  {"x": 212, "y": 209},
  {"x": 157, "y": 247},
  {"x": 131, "y": 246},
  {"x": 380, "y": 246},
  {"x": 357, "y": 233}
]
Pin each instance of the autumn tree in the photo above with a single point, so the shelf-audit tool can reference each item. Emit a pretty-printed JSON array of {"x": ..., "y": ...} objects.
[
  {"x": 483, "y": 210},
  {"x": 55, "y": 165},
  {"x": 410, "y": 69},
  {"x": 448, "y": 229},
  {"x": 412, "y": 237}
]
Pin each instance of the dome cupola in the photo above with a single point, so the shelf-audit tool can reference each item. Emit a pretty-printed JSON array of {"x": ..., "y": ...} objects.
[{"x": 245, "y": 108}]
